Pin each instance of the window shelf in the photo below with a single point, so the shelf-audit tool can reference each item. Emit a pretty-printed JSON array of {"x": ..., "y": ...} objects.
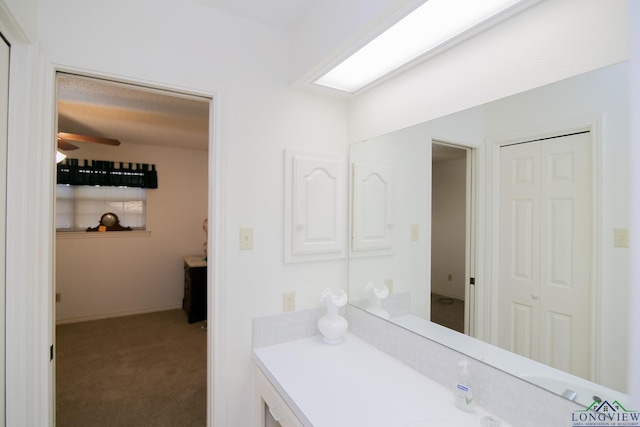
[{"x": 101, "y": 235}]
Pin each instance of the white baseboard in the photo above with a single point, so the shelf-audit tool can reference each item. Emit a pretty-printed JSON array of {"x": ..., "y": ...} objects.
[{"x": 118, "y": 314}]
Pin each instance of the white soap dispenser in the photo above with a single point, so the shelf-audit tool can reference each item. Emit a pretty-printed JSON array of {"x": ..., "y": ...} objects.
[{"x": 463, "y": 393}]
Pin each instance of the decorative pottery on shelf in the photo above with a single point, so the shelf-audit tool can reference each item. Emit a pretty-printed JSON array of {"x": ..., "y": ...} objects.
[{"x": 333, "y": 326}]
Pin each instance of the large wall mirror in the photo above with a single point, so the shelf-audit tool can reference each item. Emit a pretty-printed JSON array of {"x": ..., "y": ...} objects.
[{"x": 501, "y": 232}]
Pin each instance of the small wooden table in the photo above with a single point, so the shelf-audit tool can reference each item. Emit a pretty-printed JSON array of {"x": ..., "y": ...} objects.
[{"x": 194, "y": 302}]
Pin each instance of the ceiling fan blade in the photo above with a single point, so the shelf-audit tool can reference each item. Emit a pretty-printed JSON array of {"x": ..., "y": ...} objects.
[
  {"x": 86, "y": 138},
  {"x": 66, "y": 146}
]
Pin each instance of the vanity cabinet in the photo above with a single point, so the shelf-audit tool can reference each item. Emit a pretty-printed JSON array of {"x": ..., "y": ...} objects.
[
  {"x": 271, "y": 409},
  {"x": 194, "y": 301}
]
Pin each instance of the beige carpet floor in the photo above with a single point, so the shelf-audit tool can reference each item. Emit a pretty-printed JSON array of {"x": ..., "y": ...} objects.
[
  {"x": 142, "y": 370},
  {"x": 447, "y": 312}
]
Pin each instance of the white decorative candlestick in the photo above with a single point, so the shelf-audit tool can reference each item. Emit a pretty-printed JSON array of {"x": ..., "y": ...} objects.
[{"x": 332, "y": 325}]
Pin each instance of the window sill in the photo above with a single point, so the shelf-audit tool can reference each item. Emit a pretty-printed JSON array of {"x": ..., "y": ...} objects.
[{"x": 101, "y": 235}]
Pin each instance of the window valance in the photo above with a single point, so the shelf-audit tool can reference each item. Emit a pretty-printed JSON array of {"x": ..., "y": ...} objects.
[{"x": 106, "y": 173}]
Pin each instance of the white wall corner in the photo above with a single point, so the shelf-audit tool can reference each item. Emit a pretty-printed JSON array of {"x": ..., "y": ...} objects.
[{"x": 19, "y": 18}]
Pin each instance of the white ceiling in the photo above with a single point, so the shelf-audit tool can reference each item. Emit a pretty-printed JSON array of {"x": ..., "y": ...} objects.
[
  {"x": 131, "y": 114},
  {"x": 282, "y": 14},
  {"x": 442, "y": 152}
]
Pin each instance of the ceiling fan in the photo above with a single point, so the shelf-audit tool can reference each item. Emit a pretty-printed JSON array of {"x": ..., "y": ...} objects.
[{"x": 65, "y": 145}]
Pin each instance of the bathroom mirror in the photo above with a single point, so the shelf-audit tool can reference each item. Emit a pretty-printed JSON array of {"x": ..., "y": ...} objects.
[{"x": 436, "y": 192}]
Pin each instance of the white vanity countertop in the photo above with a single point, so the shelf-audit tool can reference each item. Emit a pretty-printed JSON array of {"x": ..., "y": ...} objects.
[{"x": 353, "y": 384}]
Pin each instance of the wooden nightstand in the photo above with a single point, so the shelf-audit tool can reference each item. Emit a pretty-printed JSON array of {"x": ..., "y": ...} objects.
[{"x": 194, "y": 302}]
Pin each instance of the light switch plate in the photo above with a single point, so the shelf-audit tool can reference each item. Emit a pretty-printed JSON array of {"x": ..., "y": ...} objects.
[
  {"x": 415, "y": 232},
  {"x": 246, "y": 238},
  {"x": 621, "y": 237}
]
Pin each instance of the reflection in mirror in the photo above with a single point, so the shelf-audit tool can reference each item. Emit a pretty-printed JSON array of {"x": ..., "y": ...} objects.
[
  {"x": 575, "y": 262},
  {"x": 450, "y": 215}
]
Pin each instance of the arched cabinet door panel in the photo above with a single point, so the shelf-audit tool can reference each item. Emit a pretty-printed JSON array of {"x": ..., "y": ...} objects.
[
  {"x": 315, "y": 206},
  {"x": 372, "y": 207}
]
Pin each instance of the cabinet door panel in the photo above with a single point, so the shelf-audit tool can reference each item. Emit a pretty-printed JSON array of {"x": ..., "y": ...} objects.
[
  {"x": 372, "y": 207},
  {"x": 316, "y": 197},
  {"x": 271, "y": 407},
  {"x": 315, "y": 208}
]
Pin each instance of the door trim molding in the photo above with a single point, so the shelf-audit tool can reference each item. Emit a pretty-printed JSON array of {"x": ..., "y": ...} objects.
[
  {"x": 32, "y": 258},
  {"x": 472, "y": 310}
]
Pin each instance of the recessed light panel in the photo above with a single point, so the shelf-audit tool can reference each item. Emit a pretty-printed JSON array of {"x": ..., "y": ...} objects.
[{"x": 425, "y": 29}]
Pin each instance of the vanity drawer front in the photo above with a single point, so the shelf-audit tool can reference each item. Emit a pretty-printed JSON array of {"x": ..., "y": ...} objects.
[{"x": 274, "y": 402}]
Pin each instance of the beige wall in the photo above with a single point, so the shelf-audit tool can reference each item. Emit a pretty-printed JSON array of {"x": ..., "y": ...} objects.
[
  {"x": 448, "y": 223},
  {"x": 109, "y": 276}
]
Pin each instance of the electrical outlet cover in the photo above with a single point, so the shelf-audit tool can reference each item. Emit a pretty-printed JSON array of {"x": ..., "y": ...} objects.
[{"x": 288, "y": 302}]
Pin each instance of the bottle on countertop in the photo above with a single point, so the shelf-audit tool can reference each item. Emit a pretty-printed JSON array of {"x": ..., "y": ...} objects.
[{"x": 463, "y": 394}]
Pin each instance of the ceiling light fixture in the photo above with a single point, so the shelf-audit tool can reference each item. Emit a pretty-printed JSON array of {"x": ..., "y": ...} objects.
[
  {"x": 60, "y": 156},
  {"x": 426, "y": 29}
]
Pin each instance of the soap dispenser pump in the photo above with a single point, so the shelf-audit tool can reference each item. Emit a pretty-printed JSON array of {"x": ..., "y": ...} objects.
[{"x": 463, "y": 394}]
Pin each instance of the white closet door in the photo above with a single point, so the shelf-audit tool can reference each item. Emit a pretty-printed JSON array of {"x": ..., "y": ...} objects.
[
  {"x": 545, "y": 251},
  {"x": 519, "y": 249}
]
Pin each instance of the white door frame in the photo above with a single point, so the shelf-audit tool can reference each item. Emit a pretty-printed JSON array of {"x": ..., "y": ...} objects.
[
  {"x": 4, "y": 108},
  {"x": 31, "y": 237},
  {"x": 592, "y": 124},
  {"x": 26, "y": 374},
  {"x": 55, "y": 132},
  {"x": 471, "y": 250},
  {"x": 214, "y": 212}
]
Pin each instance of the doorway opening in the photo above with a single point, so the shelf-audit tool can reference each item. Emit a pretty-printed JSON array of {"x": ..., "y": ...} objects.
[
  {"x": 131, "y": 283},
  {"x": 451, "y": 232}
]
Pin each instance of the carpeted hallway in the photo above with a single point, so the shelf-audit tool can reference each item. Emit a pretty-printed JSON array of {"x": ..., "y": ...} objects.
[
  {"x": 447, "y": 312},
  {"x": 142, "y": 370}
]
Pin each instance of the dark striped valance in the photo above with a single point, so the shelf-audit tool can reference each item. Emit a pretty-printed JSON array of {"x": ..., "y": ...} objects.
[{"x": 114, "y": 174}]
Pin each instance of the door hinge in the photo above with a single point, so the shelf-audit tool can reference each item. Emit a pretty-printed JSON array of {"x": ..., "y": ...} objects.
[
  {"x": 50, "y": 353},
  {"x": 472, "y": 280}
]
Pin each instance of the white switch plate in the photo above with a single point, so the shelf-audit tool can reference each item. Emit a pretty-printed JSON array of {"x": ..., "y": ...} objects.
[
  {"x": 246, "y": 238},
  {"x": 415, "y": 232},
  {"x": 621, "y": 237}
]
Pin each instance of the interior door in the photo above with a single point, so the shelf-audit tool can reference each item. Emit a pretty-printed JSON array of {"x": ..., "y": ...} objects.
[{"x": 545, "y": 251}]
